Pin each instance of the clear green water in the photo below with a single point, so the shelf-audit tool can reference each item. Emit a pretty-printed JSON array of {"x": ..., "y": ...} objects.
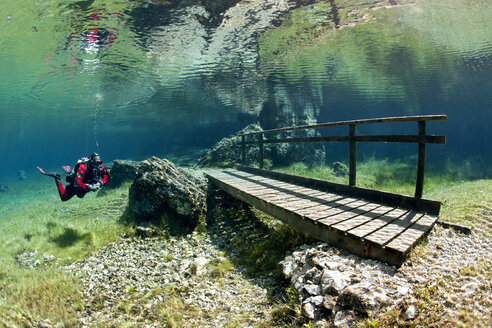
[{"x": 132, "y": 79}]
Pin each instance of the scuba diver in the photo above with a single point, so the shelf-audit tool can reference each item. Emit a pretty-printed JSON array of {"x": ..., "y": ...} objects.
[{"x": 89, "y": 174}]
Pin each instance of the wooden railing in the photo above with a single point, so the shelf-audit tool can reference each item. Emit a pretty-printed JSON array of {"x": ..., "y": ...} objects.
[{"x": 422, "y": 138}]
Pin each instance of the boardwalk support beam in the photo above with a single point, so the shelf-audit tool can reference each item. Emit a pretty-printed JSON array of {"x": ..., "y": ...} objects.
[
  {"x": 243, "y": 150},
  {"x": 260, "y": 144},
  {"x": 353, "y": 155},
  {"x": 419, "y": 187}
]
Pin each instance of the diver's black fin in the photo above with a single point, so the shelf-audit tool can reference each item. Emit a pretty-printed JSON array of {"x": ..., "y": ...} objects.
[{"x": 52, "y": 174}]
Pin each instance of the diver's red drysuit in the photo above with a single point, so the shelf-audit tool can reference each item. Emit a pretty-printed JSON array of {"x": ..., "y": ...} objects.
[{"x": 84, "y": 176}]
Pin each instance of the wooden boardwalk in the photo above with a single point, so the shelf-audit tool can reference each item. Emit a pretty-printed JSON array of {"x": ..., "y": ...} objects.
[{"x": 368, "y": 223}]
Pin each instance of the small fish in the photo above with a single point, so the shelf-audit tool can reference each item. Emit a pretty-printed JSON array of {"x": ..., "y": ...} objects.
[{"x": 4, "y": 188}]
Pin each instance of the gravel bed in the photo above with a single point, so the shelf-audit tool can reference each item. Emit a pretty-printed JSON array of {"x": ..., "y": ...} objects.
[{"x": 131, "y": 281}]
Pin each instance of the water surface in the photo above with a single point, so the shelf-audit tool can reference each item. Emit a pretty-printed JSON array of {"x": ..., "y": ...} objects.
[{"x": 132, "y": 79}]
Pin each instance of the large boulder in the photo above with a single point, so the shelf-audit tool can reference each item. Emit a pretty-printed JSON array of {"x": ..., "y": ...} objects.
[
  {"x": 164, "y": 193},
  {"x": 285, "y": 154},
  {"x": 283, "y": 111},
  {"x": 227, "y": 151},
  {"x": 121, "y": 171},
  {"x": 363, "y": 298}
]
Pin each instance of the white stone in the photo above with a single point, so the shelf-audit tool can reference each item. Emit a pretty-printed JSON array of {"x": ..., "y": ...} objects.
[
  {"x": 199, "y": 264},
  {"x": 308, "y": 310},
  {"x": 410, "y": 312},
  {"x": 288, "y": 268},
  {"x": 333, "y": 282},
  {"x": 344, "y": 319},
  {"x": 312, "y": 289},
  {"x": 316, "y": 300},
  {"x": 403, "y": 290}
]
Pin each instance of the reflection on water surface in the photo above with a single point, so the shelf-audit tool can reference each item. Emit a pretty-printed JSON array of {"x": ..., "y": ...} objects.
[{"x": 186, "y": 73}]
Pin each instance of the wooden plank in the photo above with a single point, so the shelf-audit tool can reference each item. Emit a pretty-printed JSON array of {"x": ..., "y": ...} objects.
[
  {"x": 280, "y": 199},
  {"x": 262, "y": 184},
  {"x": 377, "y": 223},
  {"x": 413, "y": 234},
  {"x": 278, "y": 194},
  {"x": 352, "y": 211},
  {"x": 263, "y": 181},
  {"x": 324, "y": 204},
  {"x": 298, "y": 205},
  {"x": 288, "y": 200},
  {"x": 361, "y": 219},
  {"x": 295, "y": 192},
  {"x": 333, "y": 208},
  {"x": 297, "y": 196},
  {"x": 318, "y": 211},
  {"x": 257, "y": 190},
  {"x": 343, "y": 213},
  {"x": 258, "y": 184},
  {"x": 249, "y": 185},
  {"x": 271, "y": 193},
  {"x": 262, "y": 190},
  {"x": 308, "y": 203},
  {"x": 392, "y": 230}
]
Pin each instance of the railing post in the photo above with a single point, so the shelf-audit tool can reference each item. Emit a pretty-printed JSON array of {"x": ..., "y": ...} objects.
[
  {"x": 243, "y": 150},
  {"x": 353, "y": 155},
  {"x": 419, "y": 187},
  {"x": 260, "y": 143}
]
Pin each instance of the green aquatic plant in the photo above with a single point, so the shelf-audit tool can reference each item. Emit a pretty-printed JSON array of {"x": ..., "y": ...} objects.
[
  {"x": 466, "y": 202},
  {"x": 219, "y": 269},
  {"x": 40, "y": 236},
  {"x": 288, "y": 311}
]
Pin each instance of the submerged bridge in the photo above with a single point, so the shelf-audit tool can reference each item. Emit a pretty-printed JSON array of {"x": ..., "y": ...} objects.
[{"x": 367, "y": 222}]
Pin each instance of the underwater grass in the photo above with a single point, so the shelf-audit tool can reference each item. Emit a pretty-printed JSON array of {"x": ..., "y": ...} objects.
[{"x": 40, "y": 235}]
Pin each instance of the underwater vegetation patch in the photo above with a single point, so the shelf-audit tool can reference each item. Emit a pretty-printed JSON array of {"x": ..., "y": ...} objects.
[{"x": 38, "y": 243}]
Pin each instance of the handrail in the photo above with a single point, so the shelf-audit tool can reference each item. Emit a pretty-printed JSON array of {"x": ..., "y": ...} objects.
[
  {"x": 363, "y": 121},
  {"x": 352, "y": 138}
]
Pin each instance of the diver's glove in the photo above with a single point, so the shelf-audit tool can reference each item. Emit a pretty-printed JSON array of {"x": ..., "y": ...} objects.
[
  {"x": 98, "y": 185},
  {"x": 91, "y": 187}
]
